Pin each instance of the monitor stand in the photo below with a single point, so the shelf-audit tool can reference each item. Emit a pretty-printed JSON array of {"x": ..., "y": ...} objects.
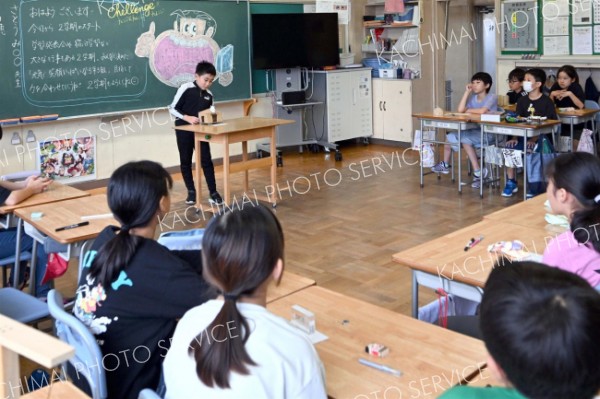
[{"x": 287, "y": 79}]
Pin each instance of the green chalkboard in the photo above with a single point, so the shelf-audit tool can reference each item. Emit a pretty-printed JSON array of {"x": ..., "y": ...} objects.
[{"x": 82, "y": 57}]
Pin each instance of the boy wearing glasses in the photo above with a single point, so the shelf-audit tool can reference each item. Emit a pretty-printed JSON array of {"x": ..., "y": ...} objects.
[{"x": 515, "y": 83}]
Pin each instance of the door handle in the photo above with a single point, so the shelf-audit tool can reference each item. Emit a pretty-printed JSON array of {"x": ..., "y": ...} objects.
[
  {"x": 384, "y": 106},
  {"x": 380, "y": 106}
]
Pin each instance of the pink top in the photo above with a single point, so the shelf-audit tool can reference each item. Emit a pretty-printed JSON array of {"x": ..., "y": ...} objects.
[{"x": 564, "y": 252}]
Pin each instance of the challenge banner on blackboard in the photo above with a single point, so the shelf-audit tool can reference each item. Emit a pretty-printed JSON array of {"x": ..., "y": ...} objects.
[{"x": 80, "y": 57}]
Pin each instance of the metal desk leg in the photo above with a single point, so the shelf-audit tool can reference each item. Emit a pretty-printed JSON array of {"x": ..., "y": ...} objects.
[
  {"x": 415, "y": 295},
  {"x": 421, "y": 156},
  {"x": 524, "y": 167},
  {"x": 481, "y": 178},
  {"x": 459, "y": 161},
  {"x": 17, "y": 266},
  {"x": 32, "y": 274},
  {"x": 571, "y": 144}
]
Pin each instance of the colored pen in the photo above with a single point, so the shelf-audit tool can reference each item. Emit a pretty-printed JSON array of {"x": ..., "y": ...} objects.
[
  {"x": 468, "y": 245},
  {"x": 72, "y": 226},
  {"x": 474, "y": 242},
  {"x": 380, "y": 367}
]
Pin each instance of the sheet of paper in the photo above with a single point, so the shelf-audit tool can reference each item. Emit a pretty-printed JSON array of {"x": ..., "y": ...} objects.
[
  {"x": 596, "y": 38},
  {"x": 556, "y": 27},
  {"x": 554, "y": 8},
  {"x": 582, "y": 40},
  {"x": 341, "y": 7},
  {"x": 556, "y": 45},
  {"x": 581, "y": 11},
  {"x": 596, "y": 11}
]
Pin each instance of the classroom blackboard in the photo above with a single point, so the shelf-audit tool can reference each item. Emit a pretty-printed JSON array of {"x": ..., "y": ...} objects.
[{"x": 82, "y": 57}]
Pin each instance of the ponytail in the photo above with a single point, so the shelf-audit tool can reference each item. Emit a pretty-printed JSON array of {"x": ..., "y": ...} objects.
[
  {"x": 134, "y": 193},
  {"x": 219, "y": 349},
  {"x": 113, "y": 257},
  {"x": 240, "y": 250},
  {"x": 579, "y": 174},
  {"x": 585, "y": 225}
]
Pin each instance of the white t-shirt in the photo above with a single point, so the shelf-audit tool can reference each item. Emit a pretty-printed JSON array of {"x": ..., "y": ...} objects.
[{"x": 287, "y": 363}]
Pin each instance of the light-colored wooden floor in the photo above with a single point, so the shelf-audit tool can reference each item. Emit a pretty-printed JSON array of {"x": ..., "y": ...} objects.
[{"x": 344, "y": 220}]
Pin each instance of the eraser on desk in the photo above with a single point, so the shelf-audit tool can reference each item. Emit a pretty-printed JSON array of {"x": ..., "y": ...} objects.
[
  {"x": 36, "y": 215},
  {"x": 377, "y": 350}
]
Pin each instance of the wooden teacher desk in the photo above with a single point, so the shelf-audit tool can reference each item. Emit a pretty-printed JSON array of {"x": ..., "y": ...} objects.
[
  {"x": 66, "y": 213},
  {"x": 240, "y": 130},
  {"x": 449, "y": 121},
  {"x": 430, "y": 358},
  {"x": 443, "y": 262}
]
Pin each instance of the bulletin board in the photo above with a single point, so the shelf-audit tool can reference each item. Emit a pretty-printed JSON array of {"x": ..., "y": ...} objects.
[{"x": 519, "y": 26}]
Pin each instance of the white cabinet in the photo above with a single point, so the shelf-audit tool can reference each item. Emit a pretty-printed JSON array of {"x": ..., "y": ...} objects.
[
  {"x": 392, "y": 109},
  {"x": 347, "y": 112}
]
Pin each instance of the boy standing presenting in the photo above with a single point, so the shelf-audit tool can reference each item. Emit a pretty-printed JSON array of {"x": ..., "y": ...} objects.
[
  {"x": 535, "y": 103},
  {"x": 192, "y": 98}
]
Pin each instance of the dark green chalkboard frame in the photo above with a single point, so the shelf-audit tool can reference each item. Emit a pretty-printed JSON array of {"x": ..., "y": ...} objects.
[{"x": 31, "y": 30}]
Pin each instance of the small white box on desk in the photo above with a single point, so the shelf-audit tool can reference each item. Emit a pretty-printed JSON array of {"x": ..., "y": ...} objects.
[
  {"x": 388, "y": 73},
  {"x": 492, "y": 117}
]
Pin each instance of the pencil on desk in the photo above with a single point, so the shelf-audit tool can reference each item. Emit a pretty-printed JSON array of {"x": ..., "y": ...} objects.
[{"x": 100, "y": 216}]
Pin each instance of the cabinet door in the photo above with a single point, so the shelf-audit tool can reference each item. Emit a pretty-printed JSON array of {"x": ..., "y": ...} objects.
[
  {"x": 397, "y": 110},
  {"x": 378, "y": 108},
  {"x": 360, "y": 119},
  {"x": 338, "y": 104}
]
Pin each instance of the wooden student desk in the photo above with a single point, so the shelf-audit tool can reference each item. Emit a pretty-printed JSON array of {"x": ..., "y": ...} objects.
[
  {"x": 524, "y": 130},
  {"x": 449, "y": 121},
  {"x": 426, "y": 354},
  {"x": 56, "y": 192},
  {"x": 290, "y": 283},
  {"x": 240, "y": 130},
  {"x": 443, "y": 262},
  {"x": 528, "y": 213},
  {"x": 66, "y": 213}
]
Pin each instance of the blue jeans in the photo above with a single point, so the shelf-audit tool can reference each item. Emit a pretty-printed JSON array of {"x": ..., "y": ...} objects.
[{"x": 8, "y": 240}]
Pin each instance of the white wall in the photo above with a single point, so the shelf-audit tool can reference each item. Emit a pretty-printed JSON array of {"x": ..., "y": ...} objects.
[{"x": 123, "y": 138}]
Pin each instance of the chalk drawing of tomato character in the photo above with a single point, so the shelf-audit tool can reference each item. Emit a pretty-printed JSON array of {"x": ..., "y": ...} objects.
[{"x": 174, "y": 53}]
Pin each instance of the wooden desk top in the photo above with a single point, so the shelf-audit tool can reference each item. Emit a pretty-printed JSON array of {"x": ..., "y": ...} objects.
[
  {"x": 575, "y": 113},
  {"x": 69, "y": 212},
  {"x": 445, "y": 256},
  {"x": 289, "y": 284},
  {"x": 235, "y": 125},
  {"x": 449, "y": 116},
  {"x": 521, "y": 125},
  {"x": 56, "y": 192},
  {"x": 422, "y": 351},
  {"x": 529, "y": 213}
]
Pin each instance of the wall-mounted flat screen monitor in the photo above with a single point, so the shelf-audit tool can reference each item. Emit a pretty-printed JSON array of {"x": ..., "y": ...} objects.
[{"x": 295, "y": 40}]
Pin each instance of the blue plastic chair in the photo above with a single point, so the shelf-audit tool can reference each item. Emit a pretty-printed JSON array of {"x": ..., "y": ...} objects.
[
  {"x": 21, "y": 306},
  {"x": 87, "y": 352},
  {"x": 594, "y": 105},
  {"x": 8, "y": 263}
]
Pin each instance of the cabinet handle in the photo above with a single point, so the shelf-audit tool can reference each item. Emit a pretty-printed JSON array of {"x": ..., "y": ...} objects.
[
  {"x": 384, "y": 106},
  {"x": 380, "y": 106}
]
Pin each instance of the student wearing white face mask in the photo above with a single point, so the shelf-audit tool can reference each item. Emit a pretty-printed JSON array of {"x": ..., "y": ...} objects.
[{"x": 535, "y": 103}]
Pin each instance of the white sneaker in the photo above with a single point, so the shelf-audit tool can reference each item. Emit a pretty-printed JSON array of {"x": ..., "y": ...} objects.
[{"x": 441, "y": 167}]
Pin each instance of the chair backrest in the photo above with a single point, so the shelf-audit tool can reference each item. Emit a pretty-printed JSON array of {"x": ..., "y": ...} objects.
[
  {"x": 183, "y": 240},
  {"x": 593, "y": 105},
  {"x": 148, "y": 394},
  {"x": 87, "y": 361}
]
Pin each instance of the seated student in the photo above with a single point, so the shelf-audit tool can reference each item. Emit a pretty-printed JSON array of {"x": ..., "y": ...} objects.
[
  {"x": 534, "y": 104},
  {"x": 133, "y": 289},
  {"x": 567, "y": 93},
  {"x": 515, "y": 84},
  {"x": 233, "y": 347},
  {"x": 574, "y": 191},
  {"x": 12, "y": 193},
  {"x": 477, "y": 99},
  {"x": 540, "y": 326}
]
